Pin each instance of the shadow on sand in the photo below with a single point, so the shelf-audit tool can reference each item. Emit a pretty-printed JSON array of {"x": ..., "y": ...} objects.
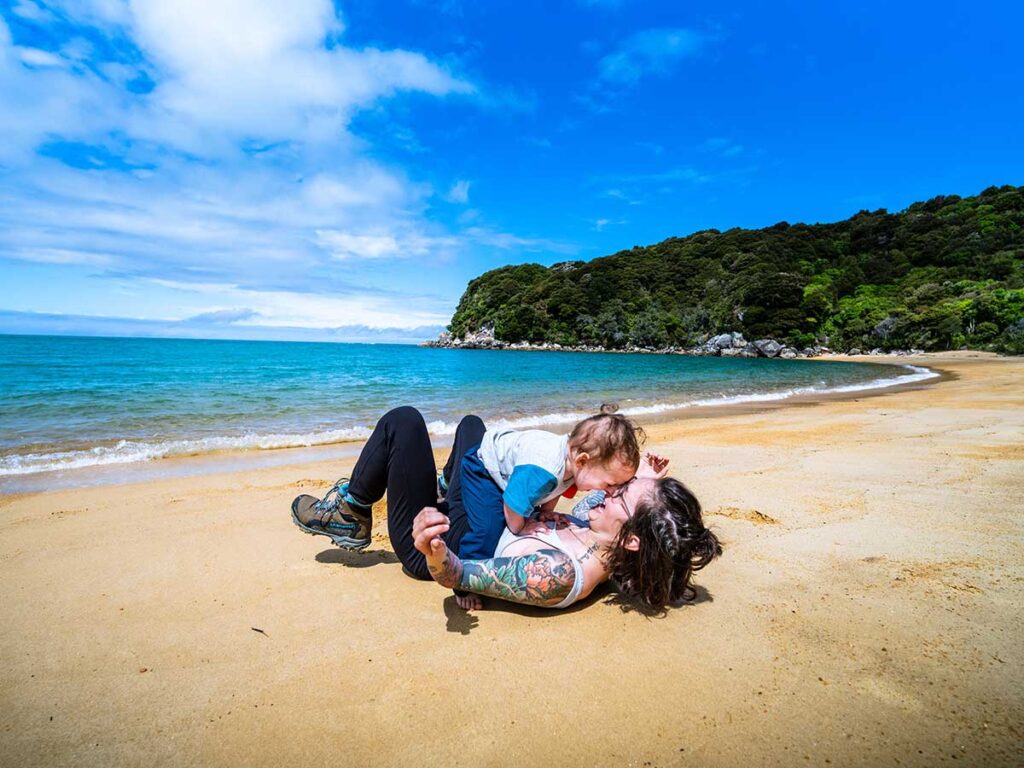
[
  {"x": 350, "y": 559},
  {"x": 463, "y": 622}
]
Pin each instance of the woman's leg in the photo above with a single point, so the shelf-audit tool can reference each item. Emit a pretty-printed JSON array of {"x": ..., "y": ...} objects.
[
  {"x": 398, "y": 459},
  {"x": 468, "y": 435}
]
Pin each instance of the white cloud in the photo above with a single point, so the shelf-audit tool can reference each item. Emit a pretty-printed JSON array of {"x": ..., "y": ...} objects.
[
  {"x": 541, "y": 142},
  {"x": 365, "y": 185},
  {"x": 27, "y": 9},
  {"x": 223, "y": 71},
  {"x": 508, "y": 241},
  {"x": 684, "y": 173},
  {"x": 723, "y": 146},
  {"x": 227, "y": 316},
  {"x": 231, "y": 175},
  {"x": 37, "y": 58},
  {"x": 288, "y": 309},
  {"x": 236, "y": 68},
  {"x": 617, "y": 194},
  {"x": 226, "y": 324},
  {"x": 601, "y": 224},
  {"x": 459, "y": 193},
  {"x": 345, "y": 245},
  {"x": 234, "y": 220},
  {"x": 38, "y": 99},
  {"x": 649, "y": 51}
]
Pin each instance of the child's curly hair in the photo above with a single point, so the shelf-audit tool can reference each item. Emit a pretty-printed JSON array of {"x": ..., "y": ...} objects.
[{"x": 606, "y": 436}]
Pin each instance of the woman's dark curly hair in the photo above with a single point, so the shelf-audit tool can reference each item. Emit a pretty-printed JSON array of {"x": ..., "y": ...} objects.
[{"x": 673, "y": 544}]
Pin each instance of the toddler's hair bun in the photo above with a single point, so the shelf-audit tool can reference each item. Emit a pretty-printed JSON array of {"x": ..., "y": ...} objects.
[{"x": 608, "y": 408}]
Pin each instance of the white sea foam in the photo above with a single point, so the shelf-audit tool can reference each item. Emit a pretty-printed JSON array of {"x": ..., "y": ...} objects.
[
  {"x": 126, "y": 452},
  {"x": 916, "y": 374}
]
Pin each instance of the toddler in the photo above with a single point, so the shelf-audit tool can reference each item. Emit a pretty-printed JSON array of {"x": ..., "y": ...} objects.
[{"x": 515, "y": 475}]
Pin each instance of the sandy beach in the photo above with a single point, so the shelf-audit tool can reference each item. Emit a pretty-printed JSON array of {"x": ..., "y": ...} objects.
[{"x": 867, "y": 611}]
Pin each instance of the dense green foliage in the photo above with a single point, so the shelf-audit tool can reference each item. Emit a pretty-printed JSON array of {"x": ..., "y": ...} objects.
[{"x": 942, "y": 274}]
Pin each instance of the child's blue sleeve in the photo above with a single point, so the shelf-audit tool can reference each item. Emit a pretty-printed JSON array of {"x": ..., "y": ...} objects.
[{"x": 527, "y": 485}]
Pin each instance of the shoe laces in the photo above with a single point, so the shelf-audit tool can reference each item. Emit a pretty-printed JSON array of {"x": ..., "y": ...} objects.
[{"x": 332, "y": 499}]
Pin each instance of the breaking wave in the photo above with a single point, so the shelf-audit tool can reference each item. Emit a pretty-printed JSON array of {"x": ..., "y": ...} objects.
[{"x": 127, "y": 451}]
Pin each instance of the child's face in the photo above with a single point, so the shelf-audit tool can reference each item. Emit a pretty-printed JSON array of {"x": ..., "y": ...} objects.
[{"x": 591, "y": 476}]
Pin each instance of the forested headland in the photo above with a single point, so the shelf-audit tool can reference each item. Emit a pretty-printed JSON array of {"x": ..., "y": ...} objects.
[{"x": 942, "y": 274}]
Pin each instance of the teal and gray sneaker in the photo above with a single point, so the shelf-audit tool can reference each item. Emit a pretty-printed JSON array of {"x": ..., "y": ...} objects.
[{"x": 334, "y": 516}]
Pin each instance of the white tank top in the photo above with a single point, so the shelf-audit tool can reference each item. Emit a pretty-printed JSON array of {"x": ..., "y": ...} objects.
[{"x": 551, "y": 540}]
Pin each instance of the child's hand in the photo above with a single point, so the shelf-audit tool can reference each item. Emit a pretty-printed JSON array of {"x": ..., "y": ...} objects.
[
  {"x": 653, "y": 466},
  {"x": 550, "y": 516}
]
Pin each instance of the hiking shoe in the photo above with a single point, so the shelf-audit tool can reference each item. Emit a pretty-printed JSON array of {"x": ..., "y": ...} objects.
[{"x": 333, "y": 516}]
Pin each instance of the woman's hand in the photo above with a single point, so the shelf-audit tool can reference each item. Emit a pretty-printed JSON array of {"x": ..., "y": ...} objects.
[
  {"x": 653, "y": 466},
  {"x": 544, "y": 577},
  {"x": 427, "y": 529}
]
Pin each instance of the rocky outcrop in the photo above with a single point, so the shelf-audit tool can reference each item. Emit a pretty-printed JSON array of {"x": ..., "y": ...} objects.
[
  {"x": 480, "y": 339},
  {"x": 722, "y": 345},
  {"x": 768, "y": 347}
]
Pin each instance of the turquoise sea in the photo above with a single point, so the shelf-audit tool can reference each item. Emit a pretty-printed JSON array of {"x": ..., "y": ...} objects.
[{"x": 71, "y": 402}]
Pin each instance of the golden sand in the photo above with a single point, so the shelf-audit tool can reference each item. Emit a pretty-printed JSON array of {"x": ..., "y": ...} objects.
[{"x": 867, "y": 612}]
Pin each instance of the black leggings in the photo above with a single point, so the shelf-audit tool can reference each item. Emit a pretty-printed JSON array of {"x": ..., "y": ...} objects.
[{"x": 398, "y": 459}]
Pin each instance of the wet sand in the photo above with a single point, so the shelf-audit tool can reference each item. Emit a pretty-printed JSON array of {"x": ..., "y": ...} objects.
[{"x": 866, "y": 612}]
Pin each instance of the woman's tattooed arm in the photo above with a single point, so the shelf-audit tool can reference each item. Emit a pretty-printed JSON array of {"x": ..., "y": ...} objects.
[{"x": 539, "y": 578}]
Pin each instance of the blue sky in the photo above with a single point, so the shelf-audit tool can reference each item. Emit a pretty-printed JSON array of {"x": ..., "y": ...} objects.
[{"x": 297, "y": 169}]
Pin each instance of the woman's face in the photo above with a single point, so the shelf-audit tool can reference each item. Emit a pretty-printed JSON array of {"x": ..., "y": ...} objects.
[{"x": 619, "y": 505}]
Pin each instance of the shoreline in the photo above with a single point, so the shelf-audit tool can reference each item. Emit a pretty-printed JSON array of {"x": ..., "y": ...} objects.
[
  {"x": 238, "y": 459},
  {"x": 863, "y": 612}
]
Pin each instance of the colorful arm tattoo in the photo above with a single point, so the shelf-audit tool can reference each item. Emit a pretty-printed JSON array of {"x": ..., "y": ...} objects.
[{"x": 540, "y": 578}]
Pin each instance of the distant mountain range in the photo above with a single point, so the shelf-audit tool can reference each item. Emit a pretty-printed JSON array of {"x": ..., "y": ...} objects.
[{"x": 942, "y": 274}]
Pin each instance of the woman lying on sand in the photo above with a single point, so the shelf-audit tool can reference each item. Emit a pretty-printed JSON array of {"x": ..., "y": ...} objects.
[{"x": 647, "y": 535}]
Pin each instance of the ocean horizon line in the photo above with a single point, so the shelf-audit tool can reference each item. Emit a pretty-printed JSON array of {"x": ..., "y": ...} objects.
[{"x": 228, "y": 339}]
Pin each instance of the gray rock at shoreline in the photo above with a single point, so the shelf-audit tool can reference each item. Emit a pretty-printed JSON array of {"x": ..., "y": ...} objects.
[
  {"x": 722, "y": 341},
  {"x": 768, "y": 347},
  {"x": 722, "y": 345}
]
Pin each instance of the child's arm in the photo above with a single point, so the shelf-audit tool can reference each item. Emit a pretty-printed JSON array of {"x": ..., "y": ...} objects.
[
  {"x": 515, "y": 522},
  {"x": 549, "y": 506},
  {"x": 527, "y": 485}
]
